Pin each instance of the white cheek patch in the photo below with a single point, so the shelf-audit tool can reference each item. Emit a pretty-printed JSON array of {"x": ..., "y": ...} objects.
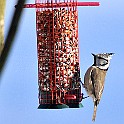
[{"x": 101, "y": 62}]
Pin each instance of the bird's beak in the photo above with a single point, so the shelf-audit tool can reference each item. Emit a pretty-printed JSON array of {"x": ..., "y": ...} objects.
[{"x": 112, "y": 54}]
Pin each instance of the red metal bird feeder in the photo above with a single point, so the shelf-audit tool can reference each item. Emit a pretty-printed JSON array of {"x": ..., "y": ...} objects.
[{"x": 58, "y": 52}]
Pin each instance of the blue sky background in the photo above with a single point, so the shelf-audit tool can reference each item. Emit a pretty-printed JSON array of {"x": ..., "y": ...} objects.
[{"x": 101, "y": 29}]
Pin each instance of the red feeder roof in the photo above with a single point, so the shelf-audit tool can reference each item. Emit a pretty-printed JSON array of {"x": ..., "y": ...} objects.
[{"x": 61, "y": 4}]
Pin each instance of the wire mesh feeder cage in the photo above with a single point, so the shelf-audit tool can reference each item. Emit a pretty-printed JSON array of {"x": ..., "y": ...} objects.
[
  {"x": 58, "y": 56},
  {"x": 58, "y": 52}
]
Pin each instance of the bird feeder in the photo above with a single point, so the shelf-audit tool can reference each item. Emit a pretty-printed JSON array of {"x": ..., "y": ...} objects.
[{"x": 58, "y": 52}]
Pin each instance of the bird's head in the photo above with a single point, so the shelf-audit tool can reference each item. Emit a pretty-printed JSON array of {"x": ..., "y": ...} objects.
[{"x": 102, "y": 60}]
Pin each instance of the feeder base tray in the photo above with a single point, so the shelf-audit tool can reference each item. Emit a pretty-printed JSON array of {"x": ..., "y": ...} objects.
[
  {"x": 59, "y": 106},
  {"x": 52, "y": 106}
]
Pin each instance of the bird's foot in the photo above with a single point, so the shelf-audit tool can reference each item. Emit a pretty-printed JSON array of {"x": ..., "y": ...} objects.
[{"x": 85, "y": 97}]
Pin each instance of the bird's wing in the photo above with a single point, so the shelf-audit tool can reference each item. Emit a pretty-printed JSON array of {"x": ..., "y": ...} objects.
[
  {"x": 88, "y": 83},
  {"x": 98, "y": 79}
]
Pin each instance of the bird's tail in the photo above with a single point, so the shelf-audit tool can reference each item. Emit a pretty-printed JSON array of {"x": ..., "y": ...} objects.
[{"x": 94, "y": 113}]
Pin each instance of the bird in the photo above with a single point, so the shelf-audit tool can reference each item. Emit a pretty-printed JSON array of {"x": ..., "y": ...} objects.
[{"x": 94, "y": 78}]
